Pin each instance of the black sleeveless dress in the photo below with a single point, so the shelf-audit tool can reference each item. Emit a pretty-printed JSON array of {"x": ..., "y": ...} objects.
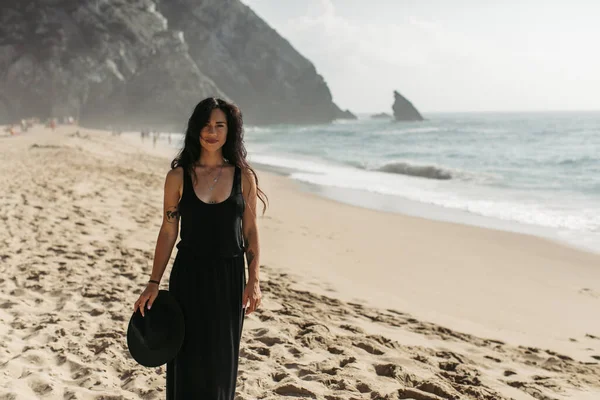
[{"x": 208, "y": 279}]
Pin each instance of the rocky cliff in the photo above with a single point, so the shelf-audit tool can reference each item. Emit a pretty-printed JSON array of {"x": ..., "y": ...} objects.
[
  {"x": 404, "y": 110},
  {"x": 148, "y": 62}
]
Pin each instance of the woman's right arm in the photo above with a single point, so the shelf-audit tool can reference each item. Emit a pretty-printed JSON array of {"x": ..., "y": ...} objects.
[
  {"x": 167, "y": 236},
  {"x": 169, "y": 229}
]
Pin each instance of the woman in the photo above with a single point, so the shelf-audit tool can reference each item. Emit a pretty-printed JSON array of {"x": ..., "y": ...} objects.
[{"x": 214, "y": 191}]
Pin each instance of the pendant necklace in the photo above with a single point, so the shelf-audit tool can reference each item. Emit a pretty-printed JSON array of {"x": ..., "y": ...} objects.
[{"x": 215, "y": 179}]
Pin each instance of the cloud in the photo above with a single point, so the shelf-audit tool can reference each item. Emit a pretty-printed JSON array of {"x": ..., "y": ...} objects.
[
  {"x": 409, "y": 40},
  {"x": 362, "y": 56},
  {"x": 441, "y": 60}
]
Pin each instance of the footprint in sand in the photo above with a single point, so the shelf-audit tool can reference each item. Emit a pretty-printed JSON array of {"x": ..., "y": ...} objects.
[
  {"x": 363, "y": 387},
  {"x": 335, "y": 350},
  {"x": 590, "y": 292},
  {"x": 8, "y": 304},
  {"x": 249, "y": 355},
  {"x": 79, "y": 372},
  {"x": 270, "y": 340},
  {"x": 41, "y": 388},
  {"x": 529, "y": 389},
  {"x": 369, "y": 348},
  {"x": 587, "y": 335},
  {"x": 263, "y": 351},
  {"x": 353, "y": 329},
  {"x": 293, "y": 390},
  {"x": 294, "y": 351},
  {"x": 493, "y": 359},
  {"x": 279, "y": 376},
  {"x": 99, "y": 347},
  {"x": 347, "y": 361},
  {"x": 69, "y": 395},
  {"x": 389, "y": 370}
]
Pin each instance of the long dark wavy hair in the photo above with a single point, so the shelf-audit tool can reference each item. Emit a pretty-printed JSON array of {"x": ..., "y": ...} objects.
[{"x": 234, "y": 150}]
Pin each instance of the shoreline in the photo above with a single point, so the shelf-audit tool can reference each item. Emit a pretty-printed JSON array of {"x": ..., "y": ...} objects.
[{"x": 402, "y": 206}]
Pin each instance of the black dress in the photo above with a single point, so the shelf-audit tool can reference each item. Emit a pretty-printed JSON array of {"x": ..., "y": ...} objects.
[{"x": 208, "y": 279}]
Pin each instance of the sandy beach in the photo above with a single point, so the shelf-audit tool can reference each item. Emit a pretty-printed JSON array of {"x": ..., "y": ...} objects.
[{"x": 358, "y": 304}]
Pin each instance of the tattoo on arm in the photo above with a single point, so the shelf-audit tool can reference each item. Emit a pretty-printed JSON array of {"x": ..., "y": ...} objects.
[
  {"x": 172, "y": 214},
  {"x": 250, "y": 257}
]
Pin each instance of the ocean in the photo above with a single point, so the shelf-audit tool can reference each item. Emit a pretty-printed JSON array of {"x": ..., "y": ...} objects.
[{"x": 536, "y": 173}]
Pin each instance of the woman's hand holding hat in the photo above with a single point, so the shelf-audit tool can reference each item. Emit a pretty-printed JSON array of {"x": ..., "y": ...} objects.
[
  {"x": 157, "y": 337},
  {"x": 148, "y": 295}
]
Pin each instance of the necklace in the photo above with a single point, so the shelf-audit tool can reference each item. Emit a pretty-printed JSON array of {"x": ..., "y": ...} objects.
[{"x": 215, "y": 180}]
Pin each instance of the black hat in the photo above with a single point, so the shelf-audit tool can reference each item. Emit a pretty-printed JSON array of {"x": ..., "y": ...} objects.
[{"x": 155, "y": 339}]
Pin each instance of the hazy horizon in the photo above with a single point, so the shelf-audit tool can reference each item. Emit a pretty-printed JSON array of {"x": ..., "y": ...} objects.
[
  {"x": 491, "y": 112},
  {"x": 468, "y": 56}
]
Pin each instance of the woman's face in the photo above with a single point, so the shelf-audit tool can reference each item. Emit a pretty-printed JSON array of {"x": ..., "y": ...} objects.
[{"x": 214, "y": 134}]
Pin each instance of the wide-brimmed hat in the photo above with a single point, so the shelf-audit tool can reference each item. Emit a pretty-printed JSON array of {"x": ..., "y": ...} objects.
[{"x": 155, "y": 339}]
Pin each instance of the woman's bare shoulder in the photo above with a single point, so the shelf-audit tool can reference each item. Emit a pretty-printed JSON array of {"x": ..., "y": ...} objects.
[
  {"x": 174, "y": 180},
  {"x": 248, "y": 181},
  {"x": 247, "y": 173},
  {"x": 175, "y": 174}
]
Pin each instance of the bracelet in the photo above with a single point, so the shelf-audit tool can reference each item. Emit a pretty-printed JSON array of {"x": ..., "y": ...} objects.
[{"x": 153, "y": 281}]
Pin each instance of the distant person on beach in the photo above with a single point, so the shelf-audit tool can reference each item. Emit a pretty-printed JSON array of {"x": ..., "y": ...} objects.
[
  {"x": 154, "y": 138},
  {"x": 214, "y": 191}
]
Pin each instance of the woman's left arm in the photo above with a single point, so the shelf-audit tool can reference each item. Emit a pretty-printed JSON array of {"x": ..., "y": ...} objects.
[{"x": 252, "y": 292}]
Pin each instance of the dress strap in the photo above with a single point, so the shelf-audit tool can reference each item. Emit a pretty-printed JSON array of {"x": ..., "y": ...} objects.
[
  {"x": 238, "y": 179},
  {"x": 187, "y": 183}
]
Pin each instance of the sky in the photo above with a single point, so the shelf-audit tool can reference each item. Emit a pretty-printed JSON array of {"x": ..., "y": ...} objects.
[{"x": 448, "y": 56}]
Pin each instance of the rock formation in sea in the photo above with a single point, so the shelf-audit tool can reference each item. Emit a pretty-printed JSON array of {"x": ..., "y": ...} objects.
[
  {"x": 381, "y": 116},
  {"x": 146, "y": 63},
  {"x": 404, "y": 109}
]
